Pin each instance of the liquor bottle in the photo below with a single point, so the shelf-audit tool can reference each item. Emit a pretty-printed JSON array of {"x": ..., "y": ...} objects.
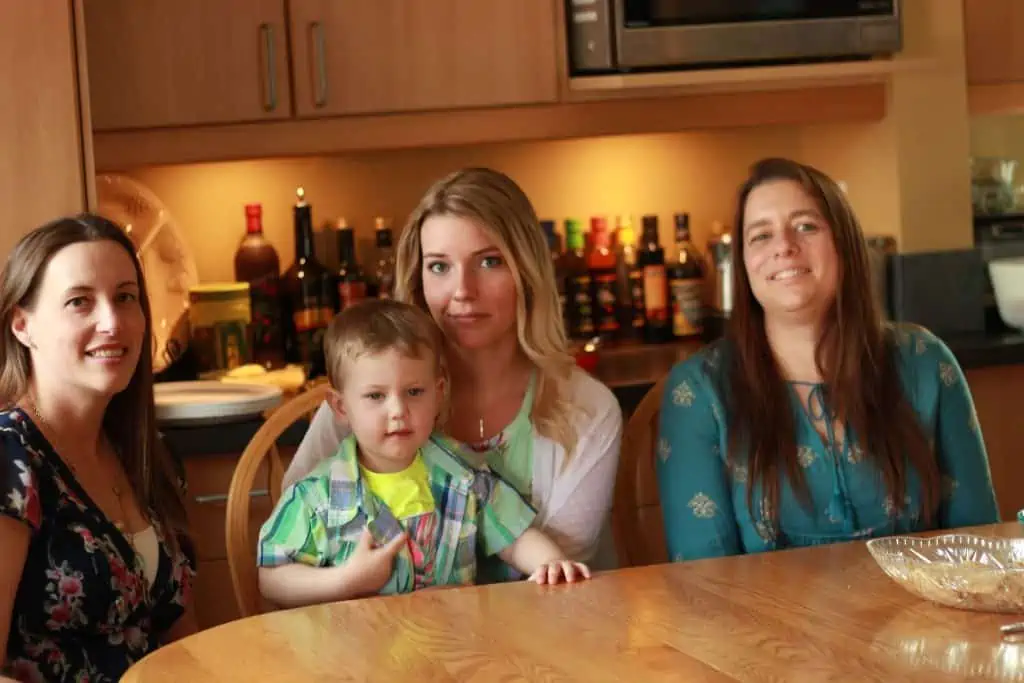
[
  {"x": 579, "y": 305},
  {"x": 256, "y": 262},
  {"x": 601, "y": 263},
  {"x": 629, "y": 282},
  {"x": 352, "y": 284},
  {"x": 384, "y": 272},
  {"x": 310, "y": 294},
  {"x": 652, "y": 260},
  {"x": 686, "y": 283}
]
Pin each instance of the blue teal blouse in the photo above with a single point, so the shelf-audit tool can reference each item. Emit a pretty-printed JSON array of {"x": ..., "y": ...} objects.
[{"x": 703, "y": 498}]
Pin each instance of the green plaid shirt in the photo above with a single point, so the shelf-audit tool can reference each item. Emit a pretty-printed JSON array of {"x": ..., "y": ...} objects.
[{"x": 318, "y": 519}]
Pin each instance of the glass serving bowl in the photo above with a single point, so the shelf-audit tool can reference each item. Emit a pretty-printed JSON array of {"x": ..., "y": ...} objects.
[{"x": 957, "y": 570}]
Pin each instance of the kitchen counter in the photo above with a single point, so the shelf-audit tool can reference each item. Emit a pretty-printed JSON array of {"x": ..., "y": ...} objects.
[
  {"x": 986, "y": 350},
  {"x": 630, "y": 370}
]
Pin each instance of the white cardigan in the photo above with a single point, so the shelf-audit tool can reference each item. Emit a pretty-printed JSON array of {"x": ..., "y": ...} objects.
[{"x": 573, "y": 504}]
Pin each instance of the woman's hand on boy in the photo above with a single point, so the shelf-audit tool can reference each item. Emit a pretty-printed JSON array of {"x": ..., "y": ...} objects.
[{"x": 554, "y": 572}]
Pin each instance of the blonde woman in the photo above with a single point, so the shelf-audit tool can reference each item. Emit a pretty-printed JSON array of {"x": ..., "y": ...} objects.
[{"x": 473, "y": 255}]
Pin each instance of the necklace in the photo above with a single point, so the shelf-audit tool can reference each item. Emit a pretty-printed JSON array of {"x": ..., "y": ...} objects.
[{"x": 115, "y": 488}]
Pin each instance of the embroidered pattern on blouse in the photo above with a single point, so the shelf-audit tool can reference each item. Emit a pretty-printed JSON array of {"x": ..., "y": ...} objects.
[
  {"x": 764, "y": 528},
  {"x": 740, "y": 473},
  {"x": 947, "y": 374},
  {"x": 855, "y": 455},
  {"x": 702, "y": 506},
  {"x": 683, "y": 395},
  {"x": 664, "y": 449},
  {"x": 806, "y": 456}
]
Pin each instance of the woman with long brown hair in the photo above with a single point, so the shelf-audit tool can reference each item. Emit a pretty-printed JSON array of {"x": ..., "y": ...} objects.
[
  {"x": 813, "y": 421},
  {"x": 94, "y": 572}
]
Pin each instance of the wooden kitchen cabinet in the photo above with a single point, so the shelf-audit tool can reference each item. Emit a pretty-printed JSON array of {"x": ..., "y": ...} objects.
[
  {"x": 409, "y": 55},
  {"x": 188, "y": 62},
  {"x": 997, "y": 393},
  {"x": 42, "y": 158},
  {"x": 994, "y": 41}
]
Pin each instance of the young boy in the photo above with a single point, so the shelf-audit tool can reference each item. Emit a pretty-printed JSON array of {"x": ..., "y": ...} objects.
[{"x": 397, "y": 508}]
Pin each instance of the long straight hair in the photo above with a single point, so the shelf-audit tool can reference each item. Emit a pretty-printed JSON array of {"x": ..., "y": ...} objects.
[
  {"x": 855, "y": 355},
  {"x": 130, "y": 418}
]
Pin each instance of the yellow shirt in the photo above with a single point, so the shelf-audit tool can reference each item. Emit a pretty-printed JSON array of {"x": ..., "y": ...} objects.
[{"x": 406, "y": 493}]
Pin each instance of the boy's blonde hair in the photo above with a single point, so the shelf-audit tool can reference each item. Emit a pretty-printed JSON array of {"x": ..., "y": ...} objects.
[{"x": 378, "y": 325}]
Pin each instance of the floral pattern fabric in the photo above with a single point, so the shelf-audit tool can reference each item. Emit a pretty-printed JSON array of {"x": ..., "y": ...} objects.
[
  {"x": 83, "y": 610},
  {"x": 703, "y": 492}
]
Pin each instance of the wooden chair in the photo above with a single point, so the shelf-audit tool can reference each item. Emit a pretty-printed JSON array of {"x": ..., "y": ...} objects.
[
  {"x": 636, "y": 520},
  {"x": 241, "y": 545}
]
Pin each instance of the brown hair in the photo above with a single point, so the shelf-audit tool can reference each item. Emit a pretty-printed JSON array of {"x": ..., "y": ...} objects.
[
  {"x": 377, "y": 325},
  {"x": 855, "y": 356},
  {"x": 130, "y": 418},
  {"x": 497, "y": 204}
]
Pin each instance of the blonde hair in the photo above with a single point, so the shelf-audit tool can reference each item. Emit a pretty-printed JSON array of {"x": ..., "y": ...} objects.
[
  {"x": 495, "y": 202},
  {"x": 378, "y": 325}
]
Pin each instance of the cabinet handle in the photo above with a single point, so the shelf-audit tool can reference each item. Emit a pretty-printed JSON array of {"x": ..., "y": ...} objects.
[
  {"x": 316, "y": 30},
  {"x": 223, "y": 497},
  {"x": 270, "y": 91}
]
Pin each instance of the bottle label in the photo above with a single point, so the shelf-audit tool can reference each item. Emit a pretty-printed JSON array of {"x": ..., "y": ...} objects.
[
  {"x": 350, "y": 292},
  {"x": 687, "y": 307},
  {"x": 267, "y": 334},
  {"x": 310, "y": 325},
  {"x": 637, "y": 300},
  {"x": 604, "y": 303},
  {"x": 656, "y": 294},
  {"x": 581, "y": 310}
]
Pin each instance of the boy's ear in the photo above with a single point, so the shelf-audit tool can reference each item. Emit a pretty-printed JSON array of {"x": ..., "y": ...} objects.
[{"x": 335, "y": 402}]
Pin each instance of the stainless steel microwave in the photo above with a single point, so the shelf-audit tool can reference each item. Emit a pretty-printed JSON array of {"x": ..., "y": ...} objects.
[{"x": 607, "y": 36}]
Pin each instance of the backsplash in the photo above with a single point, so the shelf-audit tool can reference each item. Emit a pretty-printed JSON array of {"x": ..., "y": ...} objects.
[{"x": 697, "y": 172}]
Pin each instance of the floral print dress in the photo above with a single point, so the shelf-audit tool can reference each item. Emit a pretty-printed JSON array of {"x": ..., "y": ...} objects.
[{"x": 84, "y": 610}]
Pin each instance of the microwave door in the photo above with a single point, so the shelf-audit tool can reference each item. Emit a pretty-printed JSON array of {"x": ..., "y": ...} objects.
[{"x": 709, "y": 33}]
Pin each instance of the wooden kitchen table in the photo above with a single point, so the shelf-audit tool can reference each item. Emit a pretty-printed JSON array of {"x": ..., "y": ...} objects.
[{"x": 825, "y": 613}]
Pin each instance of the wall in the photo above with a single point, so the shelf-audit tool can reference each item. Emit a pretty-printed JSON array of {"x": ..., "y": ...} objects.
[
  {"x": 907, "y": 176},
  {"x": 662, "y": 174}
]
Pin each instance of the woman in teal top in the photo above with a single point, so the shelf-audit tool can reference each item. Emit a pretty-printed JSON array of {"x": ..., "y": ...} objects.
[{"x": 812, "y": 421}]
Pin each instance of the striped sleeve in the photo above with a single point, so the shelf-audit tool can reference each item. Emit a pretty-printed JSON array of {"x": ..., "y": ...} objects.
[
  {"x": 297, "y": 529},
  {"x": 503, "y": 515}
]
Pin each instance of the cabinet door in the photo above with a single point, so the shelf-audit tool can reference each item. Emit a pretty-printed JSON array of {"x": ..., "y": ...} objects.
[
  {"x": 41, "y": 168},
  {"x": 161, "y": 63},
  {"x": 356, "y": 57},
  {"x": 994, "y": 41}
]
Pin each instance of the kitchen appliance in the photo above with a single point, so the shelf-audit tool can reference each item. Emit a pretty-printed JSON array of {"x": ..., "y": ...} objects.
[
  {"x": 720, "y": 256},
  {"x": 992, "y": 188},
  {"x": 624, "y": 35},
  {"x": 880, "y": 251},
  {"x": 997, "y": 238}
]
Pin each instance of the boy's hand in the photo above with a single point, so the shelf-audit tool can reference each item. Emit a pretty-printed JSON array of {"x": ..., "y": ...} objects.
[
  {"x": 370, "y": 567},
  {"x": 552, "y": 572}
]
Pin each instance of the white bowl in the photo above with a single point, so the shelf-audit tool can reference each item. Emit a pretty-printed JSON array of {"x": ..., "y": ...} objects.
[{"x": 1008, "y": 285}]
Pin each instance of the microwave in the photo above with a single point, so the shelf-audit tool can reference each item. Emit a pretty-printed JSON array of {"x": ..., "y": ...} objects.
[{"x": 609, "y": 36}]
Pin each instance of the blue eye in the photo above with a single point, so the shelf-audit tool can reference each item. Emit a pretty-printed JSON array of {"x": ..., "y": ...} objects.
[
  {"x": 806, "y": 227},
  {"x": 491, "y": 262},
  {"x": 416, "y": 391},
  {"x": 126, "y": 296},
  {"x": 77, "y": 302},
  {"x": 437, "y": 267},
  {"x": 374, "y": 395}
]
